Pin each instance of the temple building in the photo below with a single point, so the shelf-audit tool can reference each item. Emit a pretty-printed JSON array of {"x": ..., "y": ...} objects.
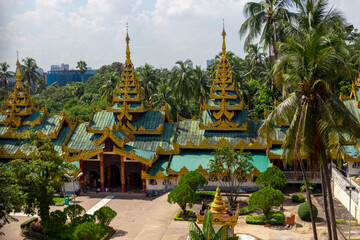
[{"x": 131, "y": 147}]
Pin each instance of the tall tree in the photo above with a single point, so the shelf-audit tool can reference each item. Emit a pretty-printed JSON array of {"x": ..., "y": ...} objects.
[
  {"x": 29, "y": 71},
  {"x": 5, "y": 73},
  {"x": 148, "y": 81},
  {"x": 201, "y": 81},
  {"x": 319, "y": 121},
  {"x": 181, "y": 80},
  {"x": 264, "y": 19},
  {"x": 164, "y": 97},
  {"x": 82, "y": 66},
  {"x": 110, "y": 79}
]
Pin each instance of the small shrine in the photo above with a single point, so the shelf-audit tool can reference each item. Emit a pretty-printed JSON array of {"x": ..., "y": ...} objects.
[{"x": 220, "y": 215}]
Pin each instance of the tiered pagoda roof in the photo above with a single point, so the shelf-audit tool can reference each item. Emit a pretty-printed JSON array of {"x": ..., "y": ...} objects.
[
  {"x": 224, "y": 110},
  {"x": 21, "y": 115}
]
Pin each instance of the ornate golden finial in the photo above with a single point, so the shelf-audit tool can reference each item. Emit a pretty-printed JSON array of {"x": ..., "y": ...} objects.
[
  {"x": 128, "y": 61},
  {"x": 19, "y": 84},
  {"x": 223, "y": 34},
  {"x": 218, "y": 206}
]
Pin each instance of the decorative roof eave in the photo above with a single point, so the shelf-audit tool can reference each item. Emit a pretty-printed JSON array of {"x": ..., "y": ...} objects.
[
  {"x": 84, "y": 154},
  {"x": 38, "y": 120},
  {"x": 18, "y": 154},
  {"x": 129, "y": 129},
  {"x": 215, "y": 96},
  {"x": 160, "y": 151},
  {"x": 159, "y": 175},
  {"x": 239, "y": 106},
  {"x": 223, "y": 127},
  {"x": 132, "y": 155},
  {"x": 184, "y": 171},
  {"x": 12, "y": 119},
  {"x": 107, "y": 133},
  {"x": 139, "y": 109},
  {"x": 137, "y": 98},
  {"x": 271, "y": 155},
  {"x": 204, "y": 144},
  {"x": 275, "y": 142}
]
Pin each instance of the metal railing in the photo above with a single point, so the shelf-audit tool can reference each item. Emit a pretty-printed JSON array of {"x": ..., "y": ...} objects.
[{"x": 297, "y": 177}]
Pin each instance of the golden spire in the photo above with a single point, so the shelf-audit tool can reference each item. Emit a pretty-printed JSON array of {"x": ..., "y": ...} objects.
[
  {"x": 19, "y": 84},
  {"x": 218, "y": 206},
  {"x": 223, "y": 35},
  {"x": 128, "y": 60}
]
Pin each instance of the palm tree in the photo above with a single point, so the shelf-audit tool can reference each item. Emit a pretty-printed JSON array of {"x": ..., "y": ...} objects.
[
  {"x": 5, "y": 73},
  {"x": 319, "y": 121},
  {"x": 29, "y": 71},
  {"x": 264, "y": 19},
  {"x": 181, "y": 80},
  {"x": 164, "y": 97},
  {"x": 110, "y": 79},
  {"x": 148, "y": 81},
  {"x": 255, "y": 55},
  {"x": 82, "y": 66},
  {"x": 207, "y": 232},
  {"x": 202, "y": 85}
]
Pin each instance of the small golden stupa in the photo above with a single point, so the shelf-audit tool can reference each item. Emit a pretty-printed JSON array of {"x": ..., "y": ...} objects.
[{"x": 218, "y": 206}]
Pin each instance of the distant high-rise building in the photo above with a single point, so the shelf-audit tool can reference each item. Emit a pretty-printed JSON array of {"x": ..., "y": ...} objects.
[
  {"x": 63, "y": 75},
  {"x": 190, "y": 64},
  {"x": 209, "y": 62}
]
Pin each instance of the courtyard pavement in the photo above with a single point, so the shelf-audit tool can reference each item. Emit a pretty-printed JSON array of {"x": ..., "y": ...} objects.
[{"x": 140, "y": 217}]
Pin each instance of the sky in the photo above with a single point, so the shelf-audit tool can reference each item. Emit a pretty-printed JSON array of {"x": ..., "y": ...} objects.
[{"x": 161, "y": 31}]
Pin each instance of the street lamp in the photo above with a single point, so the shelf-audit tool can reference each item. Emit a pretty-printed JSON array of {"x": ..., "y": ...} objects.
[
  {"x": 350, "y": 188},
  {"x": 73, "y": 181}
]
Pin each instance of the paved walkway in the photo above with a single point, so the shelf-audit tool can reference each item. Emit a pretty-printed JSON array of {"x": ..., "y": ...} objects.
[{"x": 100, "y": 204}]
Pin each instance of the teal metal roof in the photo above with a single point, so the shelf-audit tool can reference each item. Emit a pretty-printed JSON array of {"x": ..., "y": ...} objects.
[
  {"x": 102, "y": 119},
  {"x": 189, "y": 130},
  {"x": 34, "y": 116},
  {"x": 139, "y": 152},
  {"x": 47, "y": 126},
  {"x": 60, "y": 140},
  {"x": 120, "y": 135},
  {"x": 81, "y": 139},
  {"x": 216, "y": 102},
  {"x": 11, "y": 146},
  {"x": 276, "y": 150},
  {"x": 3, "y": 129},
  {"x": 2, "y": 117},
  {"x": 152, "y": 142},
  {"x": 351, "y": 150},
  {"x": 261, "y": 162},
  {"x": 357, "y": 94},
  {"x": 351, "y": 105},
  {"x": 191, "y": 160},
  {"x": 241, "y": 117},
  {"x": 150, "y": 120},
  {"x": 160, "y": 165}
]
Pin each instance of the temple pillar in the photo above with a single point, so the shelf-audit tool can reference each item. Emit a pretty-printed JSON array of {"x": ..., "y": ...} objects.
[
  {"x": 122, "y": 163},
  {"x": 102, "y": 178},
  {"x": 143, "y": 168},
  {"x": 82, "y": 177}
]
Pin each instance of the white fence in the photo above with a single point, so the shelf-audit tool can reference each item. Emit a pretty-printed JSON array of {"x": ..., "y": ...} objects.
[{"x": 339, "y": 184}]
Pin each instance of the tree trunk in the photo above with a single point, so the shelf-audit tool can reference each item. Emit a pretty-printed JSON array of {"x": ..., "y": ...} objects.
[
  {"x": 331, "y": 202},
  {"x": 325, "y": 199},
  {"x": 308, "y": 195}
]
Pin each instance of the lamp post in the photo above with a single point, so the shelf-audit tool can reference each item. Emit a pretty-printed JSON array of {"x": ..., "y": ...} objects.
[
  {"x": 350, "y": 188},
  {"x": 73, "y": 181}
]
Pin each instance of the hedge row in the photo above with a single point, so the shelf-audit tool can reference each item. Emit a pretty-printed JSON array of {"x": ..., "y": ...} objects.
[{"x": 276, "y": 218}]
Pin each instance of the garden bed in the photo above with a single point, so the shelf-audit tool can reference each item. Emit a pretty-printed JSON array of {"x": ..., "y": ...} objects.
[
  {"x": 276, "y": 218},
  {"x": 189, "y": 216}
]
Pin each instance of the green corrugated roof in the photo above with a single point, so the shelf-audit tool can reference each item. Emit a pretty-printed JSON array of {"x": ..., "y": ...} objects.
[
  {"x": 33, "y": 116},
  {"x": 3, "y": 129},
  {"x": 60, "y": 140},
  {"x": 150, "y": 120},
  {"x": 120, "y": 135},
  {"x": 81, "y": 139},
  {"x": 2, "y": 117},
  {"x": 152, "y": 142},
  {"x": 160, "y": 165},
  {"x": 102, "y": 119},
  {"x": 139, "y": 152},
  {"x": 191, "y": 160},
  {"x": 351, "y": 150},
  {"x": 11, "y": 146},
  {"x": 47, "y": 126},
  {"x": 216, "y": 102},
  {"x": 276, "y": 150},
  {"x": 357, "y": 94},
  {"x": 241, "y": 117},
  {"x": 189, "y": 130},
  {"x": 351, "y": 105}
]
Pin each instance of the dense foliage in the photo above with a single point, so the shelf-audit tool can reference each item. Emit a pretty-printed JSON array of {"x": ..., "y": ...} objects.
[
  {"x": 193, "y": 179},
  {"x": 298, "y": 198},
  {"x": 105, "y": 215},
  {"x": 272, "y": 177},
  {"x": 275, "y": 218},
  {"x": 182, "y": 195},
  {"x": 304, "y": 211}
]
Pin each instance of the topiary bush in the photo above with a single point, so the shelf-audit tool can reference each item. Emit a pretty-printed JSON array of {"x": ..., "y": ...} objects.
[
  {"x": 304, "y": 211},
  {"x": 70, "y": 211},
  {"x": 298, "y": 198},
  {"x": 275, "y": 218},
  {"x": 272, "y": 177},
  {"x": 55, "y": 221},
  {"x": 88, "y": 231},
  {"x": 193, "y": 179},
  {"x": 105, "y": 215},
  {"x": 265, "y": 199},
  {"x": 85, "y": 218}
]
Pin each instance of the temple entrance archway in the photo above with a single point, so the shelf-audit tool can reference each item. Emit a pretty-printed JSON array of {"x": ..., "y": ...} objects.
[{"x": 112, "y": 176}]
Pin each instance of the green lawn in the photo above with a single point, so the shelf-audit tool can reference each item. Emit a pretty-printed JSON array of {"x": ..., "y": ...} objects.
[{"x": 58, "y": 200}]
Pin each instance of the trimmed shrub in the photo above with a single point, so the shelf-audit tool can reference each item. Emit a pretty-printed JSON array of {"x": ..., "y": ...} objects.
[
  {"x": 70, "y": 211},
  {"x": 193, "y": 179},
  {"x": 56, "y": 220},
  {"x": 88, "y": 231},
  {"x": 105, "y": 215},
  {"x": 304, "y": 211},
  {"x": 272, "y": 177},
  {"x": 182, "y": 195},
  {"x": 265, "y": 199},
  {"x": 298, "y": 198},
  {"x": 28, "y": 222},
  {"x": 275, "y": 218},
  {"x": 85, "y": 218}
]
